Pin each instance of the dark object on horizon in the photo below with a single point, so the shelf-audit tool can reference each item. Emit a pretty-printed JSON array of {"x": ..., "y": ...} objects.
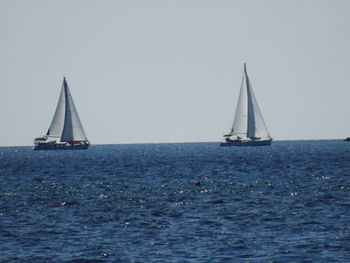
[{"x": 347, "y": 139}]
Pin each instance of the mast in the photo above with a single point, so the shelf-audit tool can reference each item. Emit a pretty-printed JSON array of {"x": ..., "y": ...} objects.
[
  {"x": 73, "y": 129},
  {"x": 251, "y": 115}
]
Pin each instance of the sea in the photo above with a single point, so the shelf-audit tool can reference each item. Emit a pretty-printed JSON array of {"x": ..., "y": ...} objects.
[{"x": 185, "y": 202}]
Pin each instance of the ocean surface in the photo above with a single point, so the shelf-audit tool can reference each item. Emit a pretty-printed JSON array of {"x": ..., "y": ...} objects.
[{"x": 191, "y": 202}]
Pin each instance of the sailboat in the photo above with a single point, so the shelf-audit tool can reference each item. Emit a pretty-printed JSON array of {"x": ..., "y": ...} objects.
[
  {"x": 65, "y": 131},
  {"x": 249, "y": 128}
]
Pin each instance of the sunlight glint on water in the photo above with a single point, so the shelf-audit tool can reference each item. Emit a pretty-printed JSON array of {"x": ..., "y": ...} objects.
[{"x": 140, "y": 203}]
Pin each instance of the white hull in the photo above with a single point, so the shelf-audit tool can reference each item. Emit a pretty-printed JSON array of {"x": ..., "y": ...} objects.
[
  {"x": 266, "y": 142},
  {"x": 60, "y": 146},
  {"x": 41, "y": 147}
]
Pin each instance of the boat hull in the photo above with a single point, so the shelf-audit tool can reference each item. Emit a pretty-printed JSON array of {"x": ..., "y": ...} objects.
[
  {"x": 52, "y": 146},
  {"x": 248, "y": 143}
]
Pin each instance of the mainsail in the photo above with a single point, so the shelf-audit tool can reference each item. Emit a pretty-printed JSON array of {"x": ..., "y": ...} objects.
[
  {"x": 248, "y": 121},
  {"x": 66, "y": 123}
]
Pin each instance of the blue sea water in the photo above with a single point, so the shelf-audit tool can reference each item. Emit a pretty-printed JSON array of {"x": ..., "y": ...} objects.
[{"x": 140, "y": 203}]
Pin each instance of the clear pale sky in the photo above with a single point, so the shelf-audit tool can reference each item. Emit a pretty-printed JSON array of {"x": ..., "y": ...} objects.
[{"x": 170, "y": 71}]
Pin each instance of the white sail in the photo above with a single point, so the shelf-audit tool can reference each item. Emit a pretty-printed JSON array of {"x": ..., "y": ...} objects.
[
  {"x": 240, "y": 121},
  {"x": 57, "y": 123},
  {"x": 65, "y": 126},
  {"x": 248, "y": 119},
  {"x": 256, "y": 125},
  {"x": 73, "y": 130}
]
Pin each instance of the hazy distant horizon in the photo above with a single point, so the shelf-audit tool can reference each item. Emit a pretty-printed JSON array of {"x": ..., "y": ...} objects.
[
  {"x": 188, "y": 142},
  {"x": 170, "y": 71}
]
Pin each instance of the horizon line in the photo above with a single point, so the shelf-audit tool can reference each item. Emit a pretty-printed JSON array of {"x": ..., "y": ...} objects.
[{"x": 140, "y": 143}]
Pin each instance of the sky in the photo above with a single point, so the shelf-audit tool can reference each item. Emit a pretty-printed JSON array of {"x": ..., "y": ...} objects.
[{"x": 170, "y": 70}]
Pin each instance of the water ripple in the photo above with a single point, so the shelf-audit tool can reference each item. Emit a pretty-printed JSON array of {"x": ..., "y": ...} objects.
[{"x": 177, "y": 203}]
